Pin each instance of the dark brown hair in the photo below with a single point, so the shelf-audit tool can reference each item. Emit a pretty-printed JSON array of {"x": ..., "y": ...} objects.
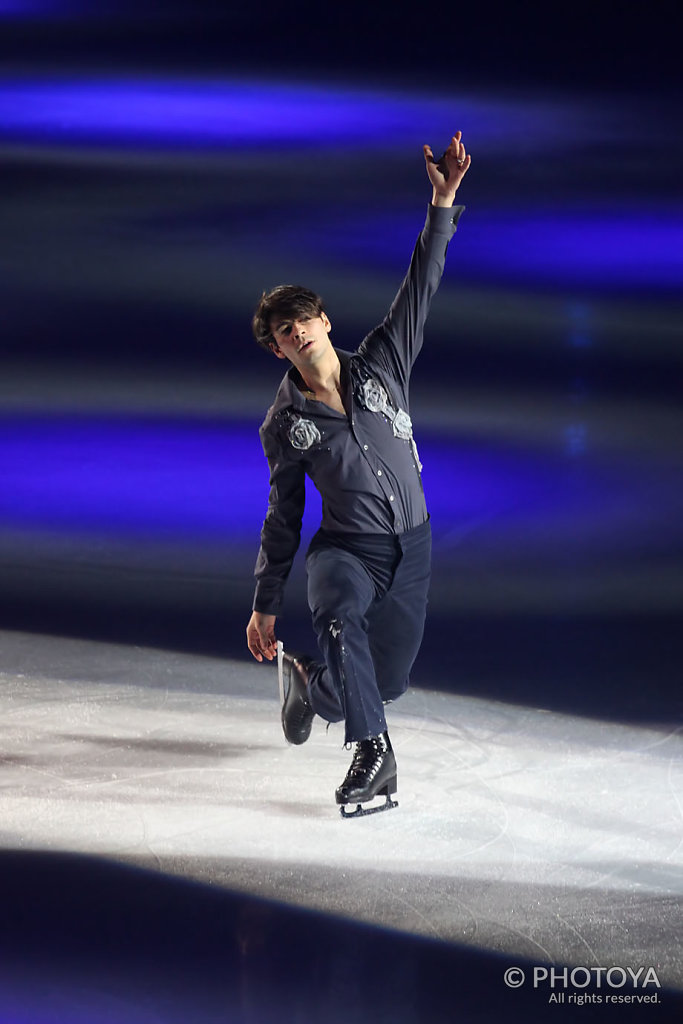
[{"x": 287, "y": 302}]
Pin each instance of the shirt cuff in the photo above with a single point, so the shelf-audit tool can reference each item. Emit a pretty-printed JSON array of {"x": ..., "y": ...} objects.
[
  {"x": 444, "y": 219},
  {"x": 266, "y": 600}
]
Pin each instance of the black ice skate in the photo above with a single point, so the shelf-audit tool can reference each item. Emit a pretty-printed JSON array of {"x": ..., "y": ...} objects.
[
  {"x": 372, "y": 773},
  {"x": 297, "y": 713}
]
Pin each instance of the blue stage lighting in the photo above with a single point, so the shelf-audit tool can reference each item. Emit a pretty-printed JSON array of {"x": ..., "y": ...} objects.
[
  {"x": 224, "y": 112},
  {"x": 175, "y": 478}
]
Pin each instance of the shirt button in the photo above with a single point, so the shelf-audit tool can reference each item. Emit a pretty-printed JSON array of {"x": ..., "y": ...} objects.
[
  {"x": 391, "y": 497},
  {"x": 379, "y": 472},
  {"x": 365, "y": 447}
]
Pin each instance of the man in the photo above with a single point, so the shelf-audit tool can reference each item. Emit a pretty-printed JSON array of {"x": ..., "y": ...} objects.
[{"x": 342, "y": 419}]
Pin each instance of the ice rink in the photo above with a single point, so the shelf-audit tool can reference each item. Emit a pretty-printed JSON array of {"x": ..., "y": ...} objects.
[{"x": 522, "y": 835}]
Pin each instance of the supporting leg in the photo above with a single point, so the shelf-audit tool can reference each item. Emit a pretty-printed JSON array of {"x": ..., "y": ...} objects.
[
  {"x": 372, "y": 773},
  {"x": 339, "y": 593}
]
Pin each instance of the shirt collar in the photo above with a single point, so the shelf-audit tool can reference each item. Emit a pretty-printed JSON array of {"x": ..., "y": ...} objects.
[{"x": 288, "y": 394}]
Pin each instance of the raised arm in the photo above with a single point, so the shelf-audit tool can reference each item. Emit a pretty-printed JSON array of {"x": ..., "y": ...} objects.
[{"x": 394, "y": 345}]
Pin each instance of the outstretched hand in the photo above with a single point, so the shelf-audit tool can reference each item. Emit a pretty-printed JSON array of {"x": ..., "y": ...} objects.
[{"x": 447, "y": 172}]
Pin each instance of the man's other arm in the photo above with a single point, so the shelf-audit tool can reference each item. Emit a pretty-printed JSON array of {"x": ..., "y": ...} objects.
[{"x": 280, "y": 538}]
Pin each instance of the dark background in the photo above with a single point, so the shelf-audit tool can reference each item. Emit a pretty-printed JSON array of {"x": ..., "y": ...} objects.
[{"x": 134, "y": 253}]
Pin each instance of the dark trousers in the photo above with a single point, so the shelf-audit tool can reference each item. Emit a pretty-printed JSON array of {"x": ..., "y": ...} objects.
[{"x": 368, "y": 598}]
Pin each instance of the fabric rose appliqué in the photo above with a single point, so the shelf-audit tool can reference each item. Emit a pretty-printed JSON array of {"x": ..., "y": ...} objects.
[
  {"x": 303, "y": 433},
  {"x": 374, "y": 396},
  {"x": 403, "y": 425}
]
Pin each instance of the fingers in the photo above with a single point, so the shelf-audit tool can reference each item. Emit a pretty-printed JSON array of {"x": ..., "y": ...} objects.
[
  {"x": 261, "y": 636},
  {"x": 261, "y": 647},
  {"x": 269, "y": 648},
  {"x": 261, "y": 640},
  {"x": 254, "y": 644},
  {"x": 456, "y": 149},
  {"x": 455, "y": 159}
]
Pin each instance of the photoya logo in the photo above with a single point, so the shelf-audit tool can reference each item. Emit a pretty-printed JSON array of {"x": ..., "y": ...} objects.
[{"x": 582, "y": 977}]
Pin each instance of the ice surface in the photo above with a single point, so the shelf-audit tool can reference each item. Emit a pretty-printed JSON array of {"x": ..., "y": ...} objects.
[{"x": 517, "y": 830}]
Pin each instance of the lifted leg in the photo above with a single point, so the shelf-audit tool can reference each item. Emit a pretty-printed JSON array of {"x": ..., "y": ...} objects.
[{"x": 297, "y": 714}]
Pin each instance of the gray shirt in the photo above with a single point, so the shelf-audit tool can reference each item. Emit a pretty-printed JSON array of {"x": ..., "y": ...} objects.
[{"x": 365, "y": 464}]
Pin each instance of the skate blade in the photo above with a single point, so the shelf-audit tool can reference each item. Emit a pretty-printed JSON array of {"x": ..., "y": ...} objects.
[
  {"x": 281, "y": 670},
  {"x": 362, "y": 812}
]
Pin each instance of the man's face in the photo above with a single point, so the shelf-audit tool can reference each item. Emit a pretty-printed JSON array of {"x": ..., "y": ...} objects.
[{"x": 302, "y": 341}]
